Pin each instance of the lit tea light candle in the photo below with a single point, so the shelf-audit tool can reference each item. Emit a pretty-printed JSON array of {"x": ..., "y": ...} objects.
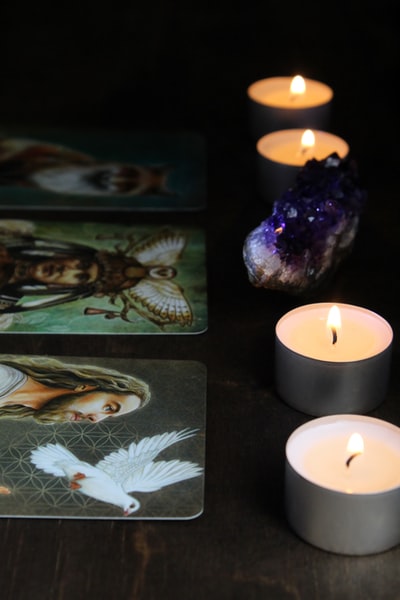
[
  {"x": 332, "y": 358},
  {"x": 342, "y": 484},
  {"x": 295, "y": 146},
  {"x": 287, "y": 103},
  {"x": 281, "y": 154}
]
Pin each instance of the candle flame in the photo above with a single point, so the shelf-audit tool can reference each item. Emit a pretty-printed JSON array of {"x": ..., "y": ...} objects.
[
  {"x": 297, "y": 86},
  {"x": 307, "y": 140},
  {"x": 355, "y": 445},
  {"x": 334, "y": 322}
]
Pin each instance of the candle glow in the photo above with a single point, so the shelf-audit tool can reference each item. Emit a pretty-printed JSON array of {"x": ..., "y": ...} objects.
[
  {"x": 307, "y": 140},
  {"x": 297, "y": 87},
  {"x": 317, "y": 452},
  {"x": 334, "y": 322},
  {"x": 294, "y": 147},
  {"x": 288, "y": 102},
  {"x": 362, "y": 333},
  {"x": 273, "y": 91},
  {"x": 355, "y": 446}
]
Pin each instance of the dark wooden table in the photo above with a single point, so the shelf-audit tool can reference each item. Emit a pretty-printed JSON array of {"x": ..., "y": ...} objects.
[{"x": 241, "y": 547}]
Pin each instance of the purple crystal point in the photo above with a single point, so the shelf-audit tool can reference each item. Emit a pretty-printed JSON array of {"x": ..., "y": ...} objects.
[{"x": 310, "y": 231}]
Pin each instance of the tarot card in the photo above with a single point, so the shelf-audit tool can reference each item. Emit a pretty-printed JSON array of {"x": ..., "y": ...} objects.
[
  {"x": 102, "y": 171},
  {"x": 101, "y": 438},
  {"x": 102, "y": 278}
]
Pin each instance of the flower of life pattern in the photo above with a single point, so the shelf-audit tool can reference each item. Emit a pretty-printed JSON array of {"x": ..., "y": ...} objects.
[{"x": 36, "y": 493}]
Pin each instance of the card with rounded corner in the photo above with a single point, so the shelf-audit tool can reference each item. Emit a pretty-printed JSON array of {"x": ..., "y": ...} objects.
[
  {"x": 101, "y": 438},
  {"x": 102, "y": 278}
]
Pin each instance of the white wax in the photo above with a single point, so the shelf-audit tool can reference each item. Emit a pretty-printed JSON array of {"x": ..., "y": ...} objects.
[
  {"x": 275, "y": 91},
  {"x": 362, "y": 334},
  {"x": 317, "y": 451},
  {"x": 284, "y": 146}
]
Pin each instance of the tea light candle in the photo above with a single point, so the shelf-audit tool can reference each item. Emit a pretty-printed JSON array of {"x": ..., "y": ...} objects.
[
  {"x": 281, "y": 154},
  {"x": 342, "y": 500},
  {"x": 288, "y": 102},
  {"x": 324, "y": 370}
]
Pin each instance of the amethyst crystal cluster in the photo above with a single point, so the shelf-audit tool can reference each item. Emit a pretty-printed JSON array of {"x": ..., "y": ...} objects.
[{"x": 310, "y": 231}]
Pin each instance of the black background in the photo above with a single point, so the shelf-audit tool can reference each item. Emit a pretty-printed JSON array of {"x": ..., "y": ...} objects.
[{"x": 168, "y": 66}]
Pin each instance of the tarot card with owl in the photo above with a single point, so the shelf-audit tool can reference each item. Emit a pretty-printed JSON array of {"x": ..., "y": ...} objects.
[
  {"x": 85, "y": 277},
  {"x": 102, "y": 171}
]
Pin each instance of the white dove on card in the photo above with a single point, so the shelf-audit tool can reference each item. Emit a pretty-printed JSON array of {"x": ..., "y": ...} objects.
[{"x": 122, "y": 472}]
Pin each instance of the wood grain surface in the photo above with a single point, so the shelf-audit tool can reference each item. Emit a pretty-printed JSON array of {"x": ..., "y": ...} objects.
[{"x": 182, "y": 65}]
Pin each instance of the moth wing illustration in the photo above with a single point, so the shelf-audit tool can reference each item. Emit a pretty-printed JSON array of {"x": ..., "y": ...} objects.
[
  {"x": 164, "y": 299},
  {"x": 163, "y": 248}
]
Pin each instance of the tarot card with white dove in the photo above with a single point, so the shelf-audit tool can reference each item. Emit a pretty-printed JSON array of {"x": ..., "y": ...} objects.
[{"x": 116, "y": 439}]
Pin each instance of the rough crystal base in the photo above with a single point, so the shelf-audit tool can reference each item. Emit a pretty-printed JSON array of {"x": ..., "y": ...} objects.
[{"x": 310, "y": 231}]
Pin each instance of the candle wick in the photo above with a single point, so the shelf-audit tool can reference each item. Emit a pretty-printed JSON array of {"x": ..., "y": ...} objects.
[
  {"x": 334, "y": 335},
  {"x": 348, "y": 461}
]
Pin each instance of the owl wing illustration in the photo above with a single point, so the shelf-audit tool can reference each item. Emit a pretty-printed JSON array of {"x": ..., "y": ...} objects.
[
  {"x": 164, "y": 299},
  {"x": 163, "y": 248}
]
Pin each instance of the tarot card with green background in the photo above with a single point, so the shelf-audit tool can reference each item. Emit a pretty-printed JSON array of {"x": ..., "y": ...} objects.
[
  {"x": 85, "y": 277},
  {"x": 102, "y": 171}
]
